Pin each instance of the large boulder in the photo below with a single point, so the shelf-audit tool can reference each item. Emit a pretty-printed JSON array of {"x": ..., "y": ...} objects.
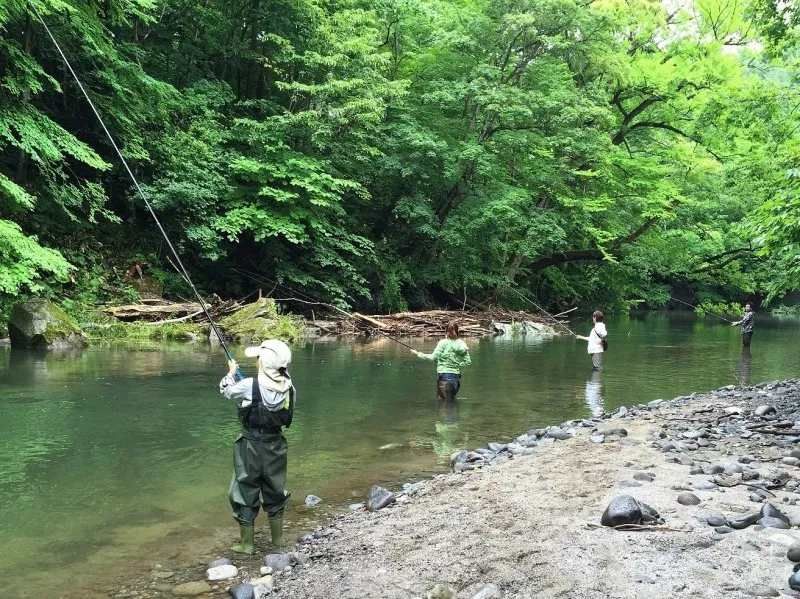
[
  {"x": 40, "y": 324},
  {"x": 258, "y": 321}
]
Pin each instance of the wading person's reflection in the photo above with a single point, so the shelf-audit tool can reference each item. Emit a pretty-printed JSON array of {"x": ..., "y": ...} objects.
[
  {"x": 447, "y": 437},
  {"x": 745, "y": 366},
  {"x": 594, "y": 393}
]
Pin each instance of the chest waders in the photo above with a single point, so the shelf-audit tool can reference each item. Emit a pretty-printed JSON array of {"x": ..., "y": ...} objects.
[{"x": 259, "y": 468}]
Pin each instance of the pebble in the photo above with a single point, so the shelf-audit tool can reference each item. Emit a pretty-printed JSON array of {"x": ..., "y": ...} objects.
[
  {"x": 312, "y": 500},
  {"x": 645, "y": 476},
  {"x": 764, "y": 410},
  {"x": 597, "y": 438},
  {"x": 723, "y": 530},
  {"x": 716, "y": 520},
  {"x": 688, "y": 499},
  {"x": 790, "y": 461},
  {"x": 242, "y": 591},
  {"x": 489, "y": 591},
  {"x": 222, "y": 572},
  {"x": 191, "y": 589},
  {"x": 703, "y": 485},
  {"x": 277, "y": 561},
  {"x": 265, "y": 570}
]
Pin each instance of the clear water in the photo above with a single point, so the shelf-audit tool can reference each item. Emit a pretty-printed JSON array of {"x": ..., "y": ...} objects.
[{"x": 112, "y": 460}]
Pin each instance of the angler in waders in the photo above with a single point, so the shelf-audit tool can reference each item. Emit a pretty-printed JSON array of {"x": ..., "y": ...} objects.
[
  {"x": 746, "y": 323},
  {"x": 451, "y": 356},
  {"x": 265, "y": 405}
]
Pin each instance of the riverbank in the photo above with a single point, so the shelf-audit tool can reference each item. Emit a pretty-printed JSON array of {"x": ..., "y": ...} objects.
[{"x": 527, "y": 522}]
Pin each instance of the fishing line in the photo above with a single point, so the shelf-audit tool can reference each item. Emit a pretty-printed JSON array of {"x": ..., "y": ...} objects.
[
  {"x": 706, "y": 311},
  {"x": 181, "y": 268}
]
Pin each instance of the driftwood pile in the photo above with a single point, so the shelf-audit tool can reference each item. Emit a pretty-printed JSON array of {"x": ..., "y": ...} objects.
[
  {"x": 428, "y": 323},
  {"x": 160, "y": 311}
]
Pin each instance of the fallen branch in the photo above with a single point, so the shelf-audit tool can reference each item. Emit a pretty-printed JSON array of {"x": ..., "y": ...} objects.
[
  {"x": 636, "y": 527},
  {"x": 173, "y": 320}
]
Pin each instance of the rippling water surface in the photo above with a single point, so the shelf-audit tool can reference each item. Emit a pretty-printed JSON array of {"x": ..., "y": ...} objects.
[{"x": 114, "y": 459}]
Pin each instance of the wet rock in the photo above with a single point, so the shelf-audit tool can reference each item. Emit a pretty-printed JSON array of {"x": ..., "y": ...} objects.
[
  {"x": 223, "y": 561},
  {"x": 242, "y": 591},
  {"x": 191, "y": 589},
  {"x": 625, "y": 509},
  {"x": 40, "y": 324},
  {"x": 354, "y": 507},
  {"x": 764, "y": 410},
  {"x": 222, "y": 572},
  {"x": 688, "y": 499},
  {"x": 378, "y": 498},
  {"x": 489, "y": 591},
  {"x": 312, "y": 500},
  {"x": 793, "y": 553}
]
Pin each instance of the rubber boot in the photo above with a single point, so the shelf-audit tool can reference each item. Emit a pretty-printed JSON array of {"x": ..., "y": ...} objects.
[
  {"x": 276, "y": 530},
  {"x": 246, "y": 545}
]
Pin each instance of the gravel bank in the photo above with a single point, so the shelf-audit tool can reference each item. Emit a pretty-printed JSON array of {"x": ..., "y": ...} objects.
[{"x": 524, "y": 520}]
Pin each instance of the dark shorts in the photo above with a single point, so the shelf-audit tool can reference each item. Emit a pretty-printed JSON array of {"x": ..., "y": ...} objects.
[{"x": 447, "y": 386}]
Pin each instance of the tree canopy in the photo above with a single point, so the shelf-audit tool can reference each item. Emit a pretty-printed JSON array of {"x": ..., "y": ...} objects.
[{"x": 404, "y": 153}]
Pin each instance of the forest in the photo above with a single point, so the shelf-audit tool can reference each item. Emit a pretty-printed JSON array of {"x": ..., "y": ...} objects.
[{"x": 403, "y": 154}]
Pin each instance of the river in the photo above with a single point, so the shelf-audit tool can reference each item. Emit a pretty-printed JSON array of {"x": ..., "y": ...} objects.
[{"x": 113, "y": 459}]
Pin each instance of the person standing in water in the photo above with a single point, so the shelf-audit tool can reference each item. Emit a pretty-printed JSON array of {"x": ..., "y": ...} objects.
[
  {"x": 746, "y": 323},
  {"x": 596, "y": 339},
  {"x": 451, "y": 356},
  {"x": 265, "y": 406}
]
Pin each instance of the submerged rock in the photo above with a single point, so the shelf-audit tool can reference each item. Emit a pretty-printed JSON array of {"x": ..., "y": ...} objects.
[
  {"x": 625, "y": 509},
  {"x": 378, "y": 498},
  {"x": 191, "y": 589},
  {"x": 40, "y": 324},
  {"x": 312, "y": 500}
]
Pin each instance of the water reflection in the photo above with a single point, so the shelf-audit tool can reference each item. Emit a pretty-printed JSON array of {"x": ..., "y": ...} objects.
[
  {"x": 594, "y": 393},
  {"x": 744, "y": 368},
  {"x": 448, "y": 436}
]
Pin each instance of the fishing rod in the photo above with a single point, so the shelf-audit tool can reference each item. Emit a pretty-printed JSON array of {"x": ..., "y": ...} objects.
[
  {"x": 178, "y": 262},
  {"x": 706, "y": 311},
  {"x": 316, "y": 302},
  {"x": 542, "y": 310}
]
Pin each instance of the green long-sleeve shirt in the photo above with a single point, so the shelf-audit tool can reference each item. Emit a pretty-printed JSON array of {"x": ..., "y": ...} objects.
[{"x": 450, "y": 355}]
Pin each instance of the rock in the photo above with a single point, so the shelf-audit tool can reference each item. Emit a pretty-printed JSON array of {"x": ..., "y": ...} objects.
[
  {"x": 621, "y": 412},
  {"x": 703, "y": 485},
  {"x": 624, "y": 509},
  {"x": 278, "y": 561},
  {"x": 655, "y": 403},
  {"x": 559, "y": 434},
  {"x": 688, "y": 499},
  {"x": 312, "y": 500},
  {"x": 794, "y": 579},
  {"x": 745, "y": 521},
  {"x": 733, "y": 468},
  {"x": 223, "y": 561},
  {"x": 441, "y": 591},
  {"x": 242, "y": 591},
  {"x": 378, "y": 498},
  {"x": 790, "y": 461},
  {"x": 191, "y": 589},
  {"x": 770, "y": 522},
  {"x": 498, "y": 447},
  {"x": 731, "y": 410},
  {"x": 627, "y": 484},
  {"x": 695, "y": 434},
  {"x": 793, "y": 553},
  {"x": 770, "y": 511},
  {"x": 40, "y": 324},
  {"x": 715, "y": 469},
  {"x": 795, "y": 453},
  {"x": 489, "y": 591},
  {"x": 597, "y": 438},
  {"x": 222, "y": 572},
  {"x": 723, "y": 530},
  {"x": 645, "y": 476},
  {"x": 764, "y": 410},
  {"x": 716, "y": 520},
  {"x": 615, "y": 432}
]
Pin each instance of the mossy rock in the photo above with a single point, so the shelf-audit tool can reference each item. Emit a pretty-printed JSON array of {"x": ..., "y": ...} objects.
[
  {"x": 41, "y": 324},
  {"x": 260, "y": 320}
]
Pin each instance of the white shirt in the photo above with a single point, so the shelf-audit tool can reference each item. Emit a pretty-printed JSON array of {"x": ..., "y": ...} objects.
[{"x": 595, "y": 338}]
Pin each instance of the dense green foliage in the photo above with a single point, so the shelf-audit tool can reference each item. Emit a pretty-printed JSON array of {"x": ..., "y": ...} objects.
[{"x": 402, "y": 153}]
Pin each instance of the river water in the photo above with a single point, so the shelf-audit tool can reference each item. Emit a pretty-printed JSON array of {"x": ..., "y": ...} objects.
[{"x": 112, "y": 460}]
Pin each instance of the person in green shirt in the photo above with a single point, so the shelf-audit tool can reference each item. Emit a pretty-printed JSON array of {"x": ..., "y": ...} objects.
[{"x": 451, "y": 356}]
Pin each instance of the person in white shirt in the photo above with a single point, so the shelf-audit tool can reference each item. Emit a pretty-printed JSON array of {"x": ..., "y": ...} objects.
[{"x": 596, "y": 339}]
